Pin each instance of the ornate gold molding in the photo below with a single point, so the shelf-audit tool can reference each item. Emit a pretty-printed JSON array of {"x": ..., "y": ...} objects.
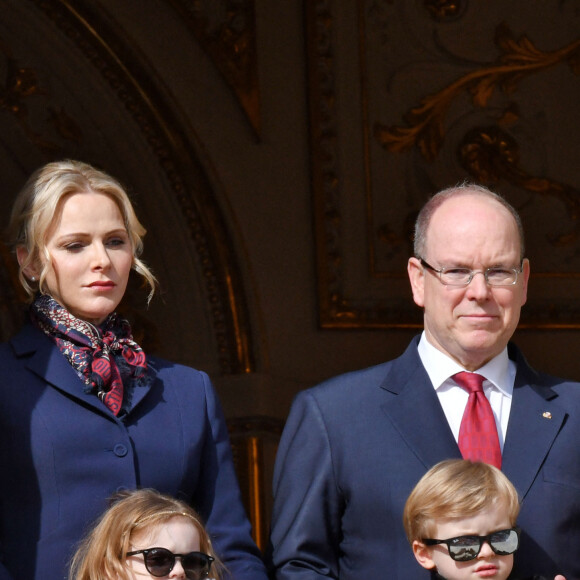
[
  {"x": 337, "y": 309},
  {"x": 333, "y": 306},
  {"x": 226, "y": 30}
]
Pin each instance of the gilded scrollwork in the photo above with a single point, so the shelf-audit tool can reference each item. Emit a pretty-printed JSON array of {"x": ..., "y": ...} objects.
[
  {"x": 490, "y": 154},
  {"x": 518, "y": 59}
]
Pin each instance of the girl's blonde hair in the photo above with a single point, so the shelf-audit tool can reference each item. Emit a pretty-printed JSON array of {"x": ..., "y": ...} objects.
[
  {"x": 101, "y": 555},
  {"x": 457, "y": 489},
  {"x": 38, "y": 203}
]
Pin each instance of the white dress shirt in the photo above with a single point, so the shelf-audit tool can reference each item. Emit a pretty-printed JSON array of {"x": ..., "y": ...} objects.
[{"x": 498, "y": 386}]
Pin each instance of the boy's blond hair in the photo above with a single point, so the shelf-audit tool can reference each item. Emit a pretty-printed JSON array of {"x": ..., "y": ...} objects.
[{"x": 457, "y": 488}]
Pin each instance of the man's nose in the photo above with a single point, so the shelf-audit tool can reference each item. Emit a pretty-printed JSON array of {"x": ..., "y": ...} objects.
[{"x": 478, "y": 287}]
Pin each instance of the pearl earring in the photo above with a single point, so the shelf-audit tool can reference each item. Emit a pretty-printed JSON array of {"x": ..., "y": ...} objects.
[{"x": 33, "y": 278}]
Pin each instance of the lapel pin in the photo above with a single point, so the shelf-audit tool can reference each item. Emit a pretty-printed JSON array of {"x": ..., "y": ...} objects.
[{"x": 547, "y": 415}]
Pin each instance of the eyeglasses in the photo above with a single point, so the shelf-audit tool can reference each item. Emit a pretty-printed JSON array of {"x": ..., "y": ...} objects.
[
  {"x": 463, "y": 276},
  {"x": 159, "y": 562},
  {"x": 464, "y": 548}
]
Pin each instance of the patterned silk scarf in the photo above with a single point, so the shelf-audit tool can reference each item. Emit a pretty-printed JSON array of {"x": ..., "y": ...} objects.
[{"x": 107, "y": 358}]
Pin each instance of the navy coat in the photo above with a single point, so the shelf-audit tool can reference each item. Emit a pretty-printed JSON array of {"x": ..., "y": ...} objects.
[
  {"x": 63, "y": 454},
  {"x": 354, "y": 447}
]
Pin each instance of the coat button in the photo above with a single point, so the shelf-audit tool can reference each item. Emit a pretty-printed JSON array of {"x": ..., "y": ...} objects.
[{"x": 120, "y": 450}]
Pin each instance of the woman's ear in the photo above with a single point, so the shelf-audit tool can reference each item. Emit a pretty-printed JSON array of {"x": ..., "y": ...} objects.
[
  {"x": 423, "y": 555},
  {"x": 22, "y": 255}
]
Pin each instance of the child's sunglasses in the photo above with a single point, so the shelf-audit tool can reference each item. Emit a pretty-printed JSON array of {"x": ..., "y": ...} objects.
[
  {"x": 464, "y": 548},
  {"x": 159, "y": 562}
]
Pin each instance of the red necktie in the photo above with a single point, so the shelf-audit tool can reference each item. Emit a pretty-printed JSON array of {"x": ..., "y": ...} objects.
[{"x": 478, "y": 438}]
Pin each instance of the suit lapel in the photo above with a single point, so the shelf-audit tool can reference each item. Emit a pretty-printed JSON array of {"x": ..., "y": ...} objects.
[
  {"x": 536, "y": 417},
  {"x": 416, "y": 412}
]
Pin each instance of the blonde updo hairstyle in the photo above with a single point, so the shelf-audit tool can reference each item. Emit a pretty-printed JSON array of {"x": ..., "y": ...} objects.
[
  {"x": 101, "y": 553},
  {"x": 38, "y": 203}
]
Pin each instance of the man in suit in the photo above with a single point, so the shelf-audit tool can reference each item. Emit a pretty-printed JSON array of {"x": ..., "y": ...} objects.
[{"x": 354, "y": 446}]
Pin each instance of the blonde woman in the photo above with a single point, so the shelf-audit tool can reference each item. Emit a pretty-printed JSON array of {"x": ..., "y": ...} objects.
[{"x": 84, "y": 411}]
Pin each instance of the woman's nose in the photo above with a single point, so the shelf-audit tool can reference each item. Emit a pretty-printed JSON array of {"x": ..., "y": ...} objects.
[{"x": 100, "y": 256}]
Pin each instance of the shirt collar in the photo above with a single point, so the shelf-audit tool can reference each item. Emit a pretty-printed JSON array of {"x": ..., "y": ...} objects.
[{"x": 440, "y": 367}]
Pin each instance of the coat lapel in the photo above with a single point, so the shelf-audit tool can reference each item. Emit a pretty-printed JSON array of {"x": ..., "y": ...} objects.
[
  {"x": 536, "y": 417},
  {"x": 52, "y": 367},
  {"x": 416, "y": 412},
  {"x": 46, "y": 361}
]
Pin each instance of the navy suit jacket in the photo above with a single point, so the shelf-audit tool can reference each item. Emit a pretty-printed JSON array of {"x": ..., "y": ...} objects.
[
  {"x": 63, "y": 454},
  {"x": 354, "y": 447}
]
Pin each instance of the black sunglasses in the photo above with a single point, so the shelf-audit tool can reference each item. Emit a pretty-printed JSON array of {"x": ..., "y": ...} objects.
[
  {"x": 159, "y": 562},
  {"x": 465, "y": 548}
]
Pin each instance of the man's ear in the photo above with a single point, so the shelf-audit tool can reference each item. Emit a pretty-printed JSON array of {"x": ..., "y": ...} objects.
[
  {"x": 526, "y": 277},
  {"x": 417, "y": 278},
  {"x": 21, "y": 256},
  {"x": 423, "y": 555}
]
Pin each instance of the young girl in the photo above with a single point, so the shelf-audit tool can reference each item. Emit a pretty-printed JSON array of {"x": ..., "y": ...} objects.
[{"x": 145, "y": 534}]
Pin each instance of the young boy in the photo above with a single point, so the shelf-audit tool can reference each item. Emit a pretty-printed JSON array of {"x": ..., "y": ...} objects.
[{"x": 460, "y": 520}]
